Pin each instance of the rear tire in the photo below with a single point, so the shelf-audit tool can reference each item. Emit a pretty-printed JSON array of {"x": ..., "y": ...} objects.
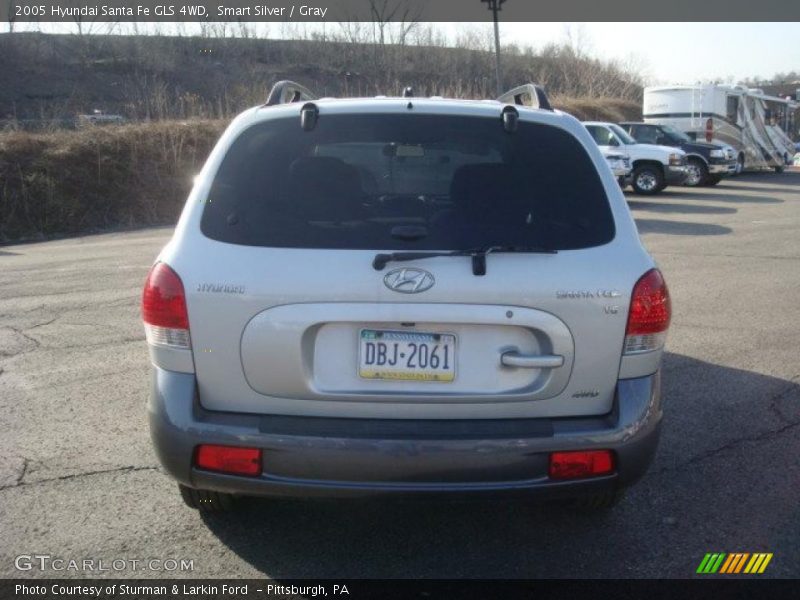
[
  {"x": 206, "y": 500},
  {"x": 648, "y": 179},
  {"x": 697, "y": 173}
]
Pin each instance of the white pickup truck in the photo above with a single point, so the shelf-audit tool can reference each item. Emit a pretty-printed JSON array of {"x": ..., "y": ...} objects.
[
  {"x": 620, "y": 165},
  {"x": 654, "y": 167}
]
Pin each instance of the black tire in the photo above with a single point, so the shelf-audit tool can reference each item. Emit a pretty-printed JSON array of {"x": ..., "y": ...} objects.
[
  {"x": 206, "y": 500},
  {"x": 596, "y": 502},
  {"x": 648, "y": 179},
  {"x": 779, "y": 169},
  {"x": 697, "y": 173},
  {"x": 713, "y": 180}
]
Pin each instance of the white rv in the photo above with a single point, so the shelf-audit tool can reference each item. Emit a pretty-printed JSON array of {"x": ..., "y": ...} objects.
[{"x": 758, "y": 126}]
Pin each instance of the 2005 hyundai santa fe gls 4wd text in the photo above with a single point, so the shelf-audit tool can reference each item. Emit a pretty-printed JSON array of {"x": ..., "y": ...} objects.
[{"x": 405, "y": 295}]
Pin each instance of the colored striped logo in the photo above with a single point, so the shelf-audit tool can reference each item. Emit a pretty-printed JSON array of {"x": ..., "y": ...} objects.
[{"x": 737, "y": 562}]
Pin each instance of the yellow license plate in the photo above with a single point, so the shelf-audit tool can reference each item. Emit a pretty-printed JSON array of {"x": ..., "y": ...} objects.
[{"x": 407, "y": 355}]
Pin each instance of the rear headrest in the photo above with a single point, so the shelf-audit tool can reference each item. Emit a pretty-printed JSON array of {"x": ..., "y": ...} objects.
[
  {"x": 480, "y": 187},
  {"x": 324, "y": 188}
]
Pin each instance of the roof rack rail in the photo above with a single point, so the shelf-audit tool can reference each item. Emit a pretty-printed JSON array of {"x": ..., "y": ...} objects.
[
  {"x": 286, "y": 92},
  {"x": 528, "y": 94}
]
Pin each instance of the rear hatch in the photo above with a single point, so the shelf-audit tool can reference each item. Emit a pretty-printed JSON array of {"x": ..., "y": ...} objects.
[{"x": 289, "y": 314}]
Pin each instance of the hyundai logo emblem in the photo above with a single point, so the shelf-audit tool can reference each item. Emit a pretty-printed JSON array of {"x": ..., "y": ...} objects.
[{"x": 408, "y": 280}]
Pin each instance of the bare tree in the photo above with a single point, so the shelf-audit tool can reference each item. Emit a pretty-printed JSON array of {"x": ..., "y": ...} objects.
[
  {"x": 404, "y": 13},
  {"x": 12, "y": 17},
  {"x": 246, "y": 30},
  {"x": 85, "y": 26},
  {"x": 408, "y": 21},
  {"x": 353, "y": 32},
  {"x": 394, "y": 20},
  {"x": 577, "y": 39}
]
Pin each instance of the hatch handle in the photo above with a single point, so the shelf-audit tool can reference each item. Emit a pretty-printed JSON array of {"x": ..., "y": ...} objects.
[{"x": 531, "y": 361}]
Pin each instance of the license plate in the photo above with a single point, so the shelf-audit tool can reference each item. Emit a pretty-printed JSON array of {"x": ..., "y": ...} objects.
[{"x": 407, "y": 355}]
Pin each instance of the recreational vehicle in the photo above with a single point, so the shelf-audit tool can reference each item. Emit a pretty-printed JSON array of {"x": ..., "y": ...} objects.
[{"x": 759, "y": 127}]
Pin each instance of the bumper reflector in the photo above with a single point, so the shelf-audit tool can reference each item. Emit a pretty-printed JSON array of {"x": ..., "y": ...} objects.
[
  {"x": 229, "y": 459},
  {"x": 574, "y": 465}
]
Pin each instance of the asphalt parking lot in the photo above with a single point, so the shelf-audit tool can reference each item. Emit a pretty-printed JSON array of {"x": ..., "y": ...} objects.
[{"x": 79, "y": 479}]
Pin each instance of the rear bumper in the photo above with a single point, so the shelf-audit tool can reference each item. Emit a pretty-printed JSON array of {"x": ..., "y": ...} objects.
[{"x": 309, "y": 456}]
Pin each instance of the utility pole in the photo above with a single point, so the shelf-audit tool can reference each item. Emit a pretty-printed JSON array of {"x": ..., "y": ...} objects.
[{"x": 495, "y": 7}]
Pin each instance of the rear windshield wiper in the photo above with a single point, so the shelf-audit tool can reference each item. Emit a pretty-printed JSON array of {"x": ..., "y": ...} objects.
[{"x": 478, "y": 255}]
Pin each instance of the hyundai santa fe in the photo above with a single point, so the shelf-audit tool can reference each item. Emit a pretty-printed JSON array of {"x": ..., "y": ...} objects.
[{"x": 405, "y": 295}]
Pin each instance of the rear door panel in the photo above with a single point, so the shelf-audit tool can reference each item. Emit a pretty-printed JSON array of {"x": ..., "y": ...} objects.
[
  {"x": 277, "y": 340},
  {"x": 320, "y": 357}
]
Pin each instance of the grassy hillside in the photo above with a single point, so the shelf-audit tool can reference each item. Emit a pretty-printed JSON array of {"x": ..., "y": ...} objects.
[
  {"x": 179, "y": 93},
  {"x": 153, "y": 77},
  {"x": 70, "y": 181}
]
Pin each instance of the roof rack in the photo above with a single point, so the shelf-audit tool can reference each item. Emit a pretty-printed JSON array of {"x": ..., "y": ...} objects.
[
  {"x": 286, "y": 92},
  {"x": 528, "y": 94}
]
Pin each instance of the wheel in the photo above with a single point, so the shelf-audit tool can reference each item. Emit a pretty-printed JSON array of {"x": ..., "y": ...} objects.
[
  {"x": 696, "y": 173},
  {"x": 739, "y": 165},
  {"x": 713, "y": 180},
  {"x": 206, "y": 500},
  {"x": 596, "y": 502},
  {"x": 779, "y": 169},
  {"x": 648, "y": 179}
]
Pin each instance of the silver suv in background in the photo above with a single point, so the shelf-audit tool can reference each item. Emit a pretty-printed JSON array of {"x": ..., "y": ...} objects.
[{"x": 405, "y": 295}]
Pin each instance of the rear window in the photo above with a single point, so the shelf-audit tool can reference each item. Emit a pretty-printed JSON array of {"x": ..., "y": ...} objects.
[{"x": 407, "y": 182}]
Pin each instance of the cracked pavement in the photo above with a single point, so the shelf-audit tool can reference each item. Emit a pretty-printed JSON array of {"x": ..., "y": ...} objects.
[{"x": 80, "y": 480}]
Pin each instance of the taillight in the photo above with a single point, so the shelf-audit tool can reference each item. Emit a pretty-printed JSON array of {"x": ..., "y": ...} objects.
[
  {"x": 574, "y": 465},
  {"x": 166, "y": 321},
  {"x": 649, "y": 316},
  {"x": 229, "y": 459},
  {"x": 709, "y": 129}
]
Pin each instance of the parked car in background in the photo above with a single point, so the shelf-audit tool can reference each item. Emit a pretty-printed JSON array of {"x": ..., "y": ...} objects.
[
  {"x": 620, "y": 165},
  {"x": 706, "y": 163},
  {"x": 654, "y": 166},
  {"x": 98, "y": 117},
  {"x": 379, "y": 295}
]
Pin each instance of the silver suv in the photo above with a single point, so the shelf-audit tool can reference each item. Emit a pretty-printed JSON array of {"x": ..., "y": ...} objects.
[{"x": 411, "y": 295}]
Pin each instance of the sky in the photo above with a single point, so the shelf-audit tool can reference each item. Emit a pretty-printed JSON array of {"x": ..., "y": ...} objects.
[
  {"x": 666, "y": 53},
  {"x": 674, "y": 53}
]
